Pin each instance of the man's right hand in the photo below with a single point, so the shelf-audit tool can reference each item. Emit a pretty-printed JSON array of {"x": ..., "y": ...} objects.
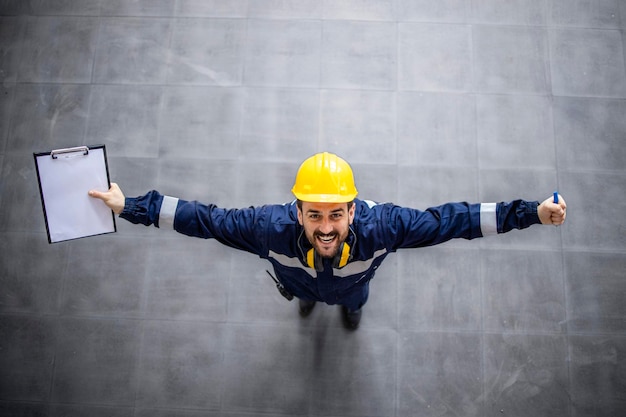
[
  {"x": 114, "y": 198},
  {"x": 552, "y": 213}
]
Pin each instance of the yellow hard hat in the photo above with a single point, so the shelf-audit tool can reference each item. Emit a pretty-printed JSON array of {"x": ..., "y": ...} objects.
[{"x": 325, "y": 178}]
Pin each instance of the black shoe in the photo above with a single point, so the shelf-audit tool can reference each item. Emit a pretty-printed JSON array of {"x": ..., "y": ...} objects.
[
  {"x": 351, "y": 319},
  {"x": 305, "y": 307}
]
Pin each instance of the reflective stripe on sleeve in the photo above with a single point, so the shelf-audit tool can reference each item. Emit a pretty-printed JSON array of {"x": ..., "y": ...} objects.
[
  {"x": 488, "y": 219},
  {"x": 168, "y": 211}
]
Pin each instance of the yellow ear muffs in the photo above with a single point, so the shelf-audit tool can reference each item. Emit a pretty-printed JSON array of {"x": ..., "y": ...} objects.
[
  {"x": 310, "y": 258},
  {"x": 342, "y": 257}
]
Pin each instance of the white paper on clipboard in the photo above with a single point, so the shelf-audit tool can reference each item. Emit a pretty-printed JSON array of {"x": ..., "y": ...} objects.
[{"x": 65, "y": 177}]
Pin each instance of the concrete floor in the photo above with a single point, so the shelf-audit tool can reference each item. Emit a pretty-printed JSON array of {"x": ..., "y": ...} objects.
[{"x": 431, "y": 101}]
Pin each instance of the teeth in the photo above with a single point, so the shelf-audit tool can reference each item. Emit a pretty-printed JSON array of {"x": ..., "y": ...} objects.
[{"x": 327, "y": 239}]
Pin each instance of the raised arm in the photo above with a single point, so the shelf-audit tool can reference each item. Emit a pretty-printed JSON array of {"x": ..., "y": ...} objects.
[
  {"x": 415, "y": 228},
  {"x": 237, "y": 228}
]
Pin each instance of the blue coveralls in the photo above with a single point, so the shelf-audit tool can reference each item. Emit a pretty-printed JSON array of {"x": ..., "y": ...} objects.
[{"x": 272, "y": 232}]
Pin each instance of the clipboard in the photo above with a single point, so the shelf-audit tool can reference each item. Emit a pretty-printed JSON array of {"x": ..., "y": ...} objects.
[{"x": 65, "y": 176}]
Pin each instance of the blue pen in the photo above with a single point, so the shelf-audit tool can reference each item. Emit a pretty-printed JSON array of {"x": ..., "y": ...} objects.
[{"x": 556, "y": 197}]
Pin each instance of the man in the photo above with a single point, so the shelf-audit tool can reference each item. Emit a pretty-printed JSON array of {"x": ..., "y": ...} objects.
[{"x": 327, "y": 245}]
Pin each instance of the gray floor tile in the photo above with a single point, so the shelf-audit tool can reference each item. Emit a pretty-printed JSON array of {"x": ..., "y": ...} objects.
[
  {"x": 348, "y": 49},
  {"x": 134, "y": 175},
  {"x": 103, "y": 278},
  {"x": 27, "y": 360},
  {"x": 432, "y": 186},
  {"x": 95, "y": 361},
  {"x": 587, "y": 62},
  {"x": 281, "y": 9},
  {"x": 585, "y": 189},
  {"x": 381, "y": 310},
  {"x": 350, "y": 377},
  {"x": 428, "y": 11},
  {"x": 283, "y": 53},
  {"x": 58, "y": 49},
  {"x": 253, "y": 297},
  {"x": 519, "y": 12},
  {"x": 126, "y": 119},
  {"x": 511, "y": 59},
  {"x": 196, "y": 290},
  {"x": 368, "y": 178},
  {"x": 181, "y": 365},
  {"x": 594, "y": 291},
  {"x": 359, "y": 9},
  {"x": 280, "y": 124},
  {"x": 510, "y": 184},
  {"x": 200, "y": 122},
  {"x": 590, "y": 133},
  {"x": 92, "y": 411},
  {"x": 598, "y": 375},
  {"x": 20, "y": 206},
  {"x": 436, "y": 129},
  {"x": 16, "y": 7},
  {"x": 582, "y": 13},
  {"x": 439, "y": 289},
  {"x": 29, "y": 284},
  {"x": 206, "y": 182},
  {"x": 440, "y": 374},
  {"x": 132, "y": 50},
  {"x": 514, "y": 132},
  {"x": 16, "y": 409},
  {"x": 624, "y": 37},
  {"x": 434, "y": 57},
  {"x": 11, "y": 32},
  {"x": 7, "y": 92},
  {"x": 358, "y": 123},
  {"x": 260, "y": 381},
  {"x": 137, "y": 8},
  {"x": 48, "y": 116},
  {"x": 211, "y": 8},
  {"x": 207, "y": 51},
  {"x": 526, "y": 375},
  {"x": 64, "y": 7},
  {"x": 524, "y": 294},
  {"x": 2, "y": 150},
  {"x": 153, "y": 412},
  {"x": 264, "y": 182}
]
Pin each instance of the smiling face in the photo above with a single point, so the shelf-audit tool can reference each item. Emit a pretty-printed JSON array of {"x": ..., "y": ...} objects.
[{"x": 326, "y": 225}]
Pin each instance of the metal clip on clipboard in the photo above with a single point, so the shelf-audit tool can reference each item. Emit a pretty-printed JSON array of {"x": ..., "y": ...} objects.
[{"x": 55, "y": 154}]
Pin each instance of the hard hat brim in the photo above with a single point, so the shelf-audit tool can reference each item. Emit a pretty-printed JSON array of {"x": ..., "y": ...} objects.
[{"x": 325, "y": 198}]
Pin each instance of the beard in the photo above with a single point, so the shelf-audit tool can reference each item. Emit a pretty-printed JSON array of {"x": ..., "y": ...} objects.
[{"x": 327, "y": 245}]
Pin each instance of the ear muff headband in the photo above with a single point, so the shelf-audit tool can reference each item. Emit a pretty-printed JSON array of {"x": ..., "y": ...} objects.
[{"x": 313, "y": 260}]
